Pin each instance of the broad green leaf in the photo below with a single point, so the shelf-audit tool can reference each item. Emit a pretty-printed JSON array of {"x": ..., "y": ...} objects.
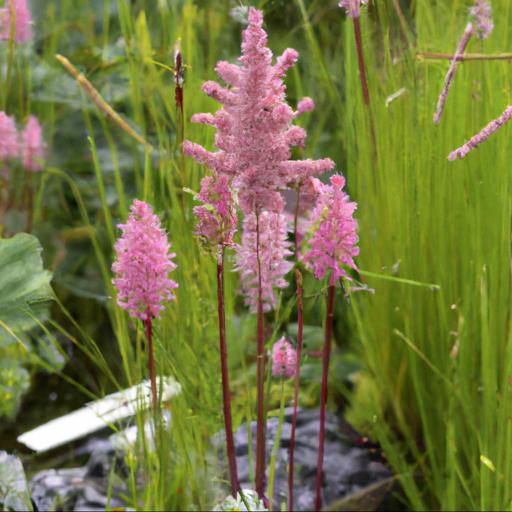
[{"x": 25, "y": 290}]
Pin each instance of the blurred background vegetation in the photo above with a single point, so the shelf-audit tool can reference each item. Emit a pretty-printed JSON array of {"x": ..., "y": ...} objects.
[{"x": 423, "y": 363}]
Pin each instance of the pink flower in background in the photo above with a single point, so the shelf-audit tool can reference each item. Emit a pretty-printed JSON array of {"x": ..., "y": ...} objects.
[
  {"x": 217, "y": 217},
  {"x": 273, "y": 250},
  {"x": 352, "y": 7},
  {"x": 333, "y": 244},
  {"x": 306, "y": 104},
  {"x": 284, "y": 359},
  {"x": 143, "y": 263},
  {"x": 482, "y": 135},
  {"x": 9, "y": 144},
  {"x": 481, "y": 13},
  {"x": 23, "y": 21},
  {"x": 254, "y": 128},
  {"x": 33, "y": 148}
]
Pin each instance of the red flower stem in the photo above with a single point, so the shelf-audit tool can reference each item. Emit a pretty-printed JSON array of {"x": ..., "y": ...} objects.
[
  {"x": 298, "y": 277},
  {"x": 260, "y": 427},
  {"x": 228, "y": 423},
  {"x": 360, "y": 60},
  {"x": 179, "y": 101},
  {"x": 149, "y": 337},
  {"x": 323, "y": 396}
]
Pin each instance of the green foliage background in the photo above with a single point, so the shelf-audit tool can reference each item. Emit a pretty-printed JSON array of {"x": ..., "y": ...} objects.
[{"x": 433, "y": 362}]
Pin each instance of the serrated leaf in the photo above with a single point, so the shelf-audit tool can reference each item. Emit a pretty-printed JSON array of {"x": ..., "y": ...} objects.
[{"x": 25, "y": 290}]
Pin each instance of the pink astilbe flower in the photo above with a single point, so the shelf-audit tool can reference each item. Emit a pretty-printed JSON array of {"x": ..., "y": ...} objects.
[
  {"x": 9, "y": 144},
  {"x": 254, "y": 128},
  {"x": 284, "y": 359},
  {"x": 306, "y": 104},
  {"x": 333, "y": 243},
  {"x": 33, "y": 148},
  {"x": 352, "y": 7},
  {"x": 273, "y": 250},
  {"x": 22, "y": 24},
  {"x": 481, "y": 13},
  {"x": 143, "y": 264},
  {"x": 482, "y": 136},
  {"x": 217, "y": 219}
]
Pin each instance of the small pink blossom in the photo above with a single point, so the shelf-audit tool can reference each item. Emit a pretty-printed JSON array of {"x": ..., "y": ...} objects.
[
  {"x": 22, "y": 24},
  {"x": 33, "y": 148},
  {"x": 217, "y": 217},
  {"x": 481, "y": 13},
  {"x": 254, "y": 127},
  {"x": 143, "y": 263},
  {"x": 284, "y": 359},
  {"x": 306, "y": 104},
  {"x": 352, "y": 7},
  {"x": 333, "y": 244},
  {"x": 273, "y": 251},
  {"x": 9, "y": 144}
]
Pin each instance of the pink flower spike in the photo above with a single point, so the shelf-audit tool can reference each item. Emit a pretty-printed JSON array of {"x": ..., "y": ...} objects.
[
  {"x": 481, "y": 13},
  {"x": 352, "y": 7},
  {"x": 22, "y": 24},
  {"x": 217, "y": 219},
  {"x": 333, "y": 244},
  {"x": 306, "y": 104},
  {"x": 143, "y": 263},
  {"x": 284, "y": 359},
  {"x": 9, "y": 145},
  {"x": 468, "y": 32},
  {"x": 273, "y": 251},
  {"x": 254, "y": 128},
  {"x": 33, "y": 148},
  {"x": 482, "y": 136}
]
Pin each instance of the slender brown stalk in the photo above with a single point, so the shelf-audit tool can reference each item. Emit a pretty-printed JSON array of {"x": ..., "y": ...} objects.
[
  {"x": 323, "y": 396},
  {"x": 360, "y": 60},
  {"x": 149, "y": 338},
  {"x": 464, "y": 56},
  {"x": 260, "y": 426},
  {"x": 100, "y": 102},
  {"x": 226, "y": 395},
  {"x": 179, "y": 101},
  {"x": 300, "y": 322}
]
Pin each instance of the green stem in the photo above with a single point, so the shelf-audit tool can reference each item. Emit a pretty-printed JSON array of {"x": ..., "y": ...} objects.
[{"x": 275, "y": 449}]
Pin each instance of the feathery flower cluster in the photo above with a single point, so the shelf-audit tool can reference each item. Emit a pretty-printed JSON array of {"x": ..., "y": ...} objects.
[
  {"x": 9, "y": 145},
  {"x": 143, "y": 264},
  {"x": 254, "y": 127},
  {"x": 334, "y": 240},
  {"x": 217, "y": 219},
  {"x": 273, "y": 251},
  {"x": 481, "y": 13},
  {"x": 482, "y": 136},
  {"x": 33, "y": 148},
  {"x": 22, "y": 23},
  {"x": 352, "y": 7},
  {"x": 284, "y": 359}
]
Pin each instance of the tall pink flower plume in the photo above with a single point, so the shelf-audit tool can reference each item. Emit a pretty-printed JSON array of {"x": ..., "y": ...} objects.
[
  {"x": 482, "y": 135},
  {"x": 254, "y": 127},
  {"x": 22, "y": 23},
  {"x": 143, "y": 263},
  {"x": 352, "y": 7},
  {"x": 217, "y": 219},
  {"x": 273, "y": 250},
  {"x": 284, "y": 359},
  {"x": 333, "y": 244},
  {"x": 9, "y": 145},
  {"x": 33, "y": 148},
  {"x": 481, "y": 13}
]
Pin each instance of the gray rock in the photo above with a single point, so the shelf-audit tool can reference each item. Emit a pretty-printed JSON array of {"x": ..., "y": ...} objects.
[{"x": 348, "y": 468}]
